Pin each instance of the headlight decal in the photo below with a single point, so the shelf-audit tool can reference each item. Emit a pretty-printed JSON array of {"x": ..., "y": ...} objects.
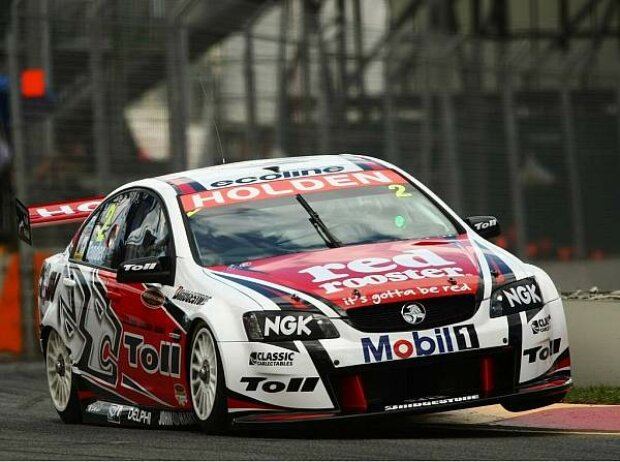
[
  {"x": 273, "y": 326},
  {"x": 522, "y": 295}
]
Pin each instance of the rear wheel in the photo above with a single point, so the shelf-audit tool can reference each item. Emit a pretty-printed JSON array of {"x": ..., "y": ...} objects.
[
  {"x": 206, "y": 380},
  {"x": 60, "y": 380}
]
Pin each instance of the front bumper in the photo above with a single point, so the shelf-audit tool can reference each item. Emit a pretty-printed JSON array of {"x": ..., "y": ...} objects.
[
  {"x": 425, "y": 385},
  {"x": 482, "y": 362}
]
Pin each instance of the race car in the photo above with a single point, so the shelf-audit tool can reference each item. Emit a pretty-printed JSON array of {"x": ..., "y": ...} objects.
[{"x": 288, "y": 290}]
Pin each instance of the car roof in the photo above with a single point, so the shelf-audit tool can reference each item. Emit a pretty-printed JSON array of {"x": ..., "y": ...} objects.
[{"x": 191, "y": 181}]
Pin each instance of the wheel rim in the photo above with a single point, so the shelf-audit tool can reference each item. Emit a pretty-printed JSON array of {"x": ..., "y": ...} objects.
[
  {"x": 58, "y": 364},
  {"x": 203, "y": 377}
]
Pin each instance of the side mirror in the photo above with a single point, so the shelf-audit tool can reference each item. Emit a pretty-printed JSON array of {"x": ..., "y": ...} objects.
[
  {"x": 486, "y": 226},
  {"x": 151, "y": 269}
]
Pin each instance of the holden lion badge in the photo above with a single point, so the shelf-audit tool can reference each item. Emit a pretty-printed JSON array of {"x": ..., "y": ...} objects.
[{"x": 413, "y": 313}]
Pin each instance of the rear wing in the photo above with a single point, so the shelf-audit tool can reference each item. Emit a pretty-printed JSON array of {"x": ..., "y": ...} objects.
[{"x": 56, "y": 213}]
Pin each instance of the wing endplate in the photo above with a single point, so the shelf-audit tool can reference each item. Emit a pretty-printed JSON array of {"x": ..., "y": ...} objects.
[{"x": 56, "y": 213}]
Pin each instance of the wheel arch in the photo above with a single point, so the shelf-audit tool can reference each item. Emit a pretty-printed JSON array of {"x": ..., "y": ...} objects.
[{"x": 44, "y": 335}]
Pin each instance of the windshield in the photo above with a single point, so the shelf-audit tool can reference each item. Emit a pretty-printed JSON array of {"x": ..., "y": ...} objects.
[{"x": 239, "y": 224}]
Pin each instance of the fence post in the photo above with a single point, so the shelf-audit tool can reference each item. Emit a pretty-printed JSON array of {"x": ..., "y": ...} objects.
[
  {"x": 177, "y": 62},
  {"x": 250, "y": 94},
  {"x": 281, "y": 129},
  {"x": 426, "y": 129},
  {"x": 358, "y": 47},
  {"x": 618, "y": 116},
  {"x": 325, "y": 103},
  {"x": 448, "y": 131},
  {"x": 574, "y": 179},
  {"x": 19, "y": 150},
  {"x": 342, "y": 95},
  {"x": 102, "y": 160},
  {"x": 49, "y": 141},
  {"x": 390, "y": 124},
  {"x": 307, "y": 138},
  {"x": 511, "y": 131}
]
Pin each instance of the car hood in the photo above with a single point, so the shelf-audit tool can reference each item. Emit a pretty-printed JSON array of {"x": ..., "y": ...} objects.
[{"x": 372, "y": 274}]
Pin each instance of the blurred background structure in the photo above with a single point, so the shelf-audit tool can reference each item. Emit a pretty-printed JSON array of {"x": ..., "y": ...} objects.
[{"x": 503, "y": 107}]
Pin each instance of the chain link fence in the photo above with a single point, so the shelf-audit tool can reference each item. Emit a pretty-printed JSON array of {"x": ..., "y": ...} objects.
[{"x": 520, "y": 128}]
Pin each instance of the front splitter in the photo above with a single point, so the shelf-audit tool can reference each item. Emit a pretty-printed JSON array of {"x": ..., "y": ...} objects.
[{"x": 298, "y": 417}]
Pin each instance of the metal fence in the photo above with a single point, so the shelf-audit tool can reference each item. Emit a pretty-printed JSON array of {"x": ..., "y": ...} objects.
[{"x": 523, "y": 129}]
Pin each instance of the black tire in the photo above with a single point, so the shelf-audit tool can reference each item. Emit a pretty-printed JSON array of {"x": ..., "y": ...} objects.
[
  {"x": 215, "y": 420},
  {"x": 524, "y": 404},
  {"x": 61, "y": 383}
]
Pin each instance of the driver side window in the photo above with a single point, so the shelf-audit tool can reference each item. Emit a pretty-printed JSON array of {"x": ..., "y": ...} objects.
[
  {"x": 104, "y": 247},
  {"x": 148, "y": 233},
  {"x": 81, "y": 245}
]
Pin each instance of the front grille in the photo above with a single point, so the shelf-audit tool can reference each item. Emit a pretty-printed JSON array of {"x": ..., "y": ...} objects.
[
  {"x": 446, "y": 375},
  {"x": 387, "y": 317}
]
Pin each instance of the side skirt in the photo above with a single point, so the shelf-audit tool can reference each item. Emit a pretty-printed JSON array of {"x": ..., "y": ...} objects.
[{"x": 125, "y": 415}]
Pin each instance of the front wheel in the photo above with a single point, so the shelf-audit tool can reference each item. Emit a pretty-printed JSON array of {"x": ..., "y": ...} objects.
[
  {"x": 60, "y": 380},
  {"x": 206, "y": 377}
]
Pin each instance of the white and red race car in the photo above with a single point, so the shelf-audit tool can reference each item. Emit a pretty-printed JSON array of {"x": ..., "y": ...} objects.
[{"x": 286, "y": 290}]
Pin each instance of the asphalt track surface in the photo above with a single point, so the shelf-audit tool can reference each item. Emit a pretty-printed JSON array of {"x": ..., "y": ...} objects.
[{"x": 31, "y": 429}]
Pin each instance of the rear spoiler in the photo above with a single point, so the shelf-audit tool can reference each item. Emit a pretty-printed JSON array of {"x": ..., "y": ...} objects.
[{"x": 36, "y": 216}]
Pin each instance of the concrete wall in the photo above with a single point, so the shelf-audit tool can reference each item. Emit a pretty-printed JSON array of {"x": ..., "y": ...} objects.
[
  {"x": 594, "y": 336},
  {"x": 583, "y": 274}
]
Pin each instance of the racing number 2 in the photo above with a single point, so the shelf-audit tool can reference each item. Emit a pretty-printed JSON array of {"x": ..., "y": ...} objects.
[{"x": 400, "y": 190}]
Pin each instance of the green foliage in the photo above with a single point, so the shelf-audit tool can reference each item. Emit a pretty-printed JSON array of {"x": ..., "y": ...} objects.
[{"x": 598, "y": 394}]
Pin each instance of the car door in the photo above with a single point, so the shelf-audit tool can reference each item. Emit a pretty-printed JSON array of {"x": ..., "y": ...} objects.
[
  {"x": 152, "y": 346},
  {"x": 92, "y": 328}
]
